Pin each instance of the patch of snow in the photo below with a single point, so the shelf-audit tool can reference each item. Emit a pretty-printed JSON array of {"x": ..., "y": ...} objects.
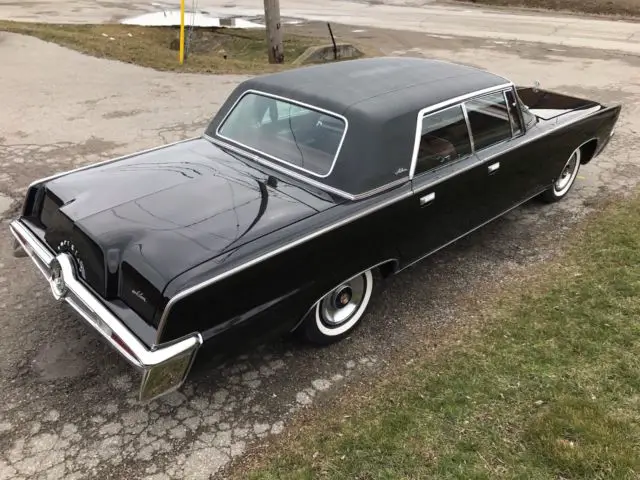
[{"x": 171, "y": 18}]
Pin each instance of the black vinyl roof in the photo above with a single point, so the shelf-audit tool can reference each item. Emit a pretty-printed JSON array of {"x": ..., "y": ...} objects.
[
  {"x": 380, "y": 98},
  {"x": 398, "y": 80}
]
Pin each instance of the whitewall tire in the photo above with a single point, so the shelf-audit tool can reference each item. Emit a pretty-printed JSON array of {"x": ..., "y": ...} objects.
[
  {"x": 562, "y": 185},
  {"x": 338, "y": 313}
]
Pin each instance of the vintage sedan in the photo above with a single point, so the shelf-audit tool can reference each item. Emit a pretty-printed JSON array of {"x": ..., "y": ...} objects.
[{"x": 306, "y": 188}]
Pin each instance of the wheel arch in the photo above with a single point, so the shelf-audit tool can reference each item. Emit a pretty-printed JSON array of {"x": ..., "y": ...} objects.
[
  {"x": 385, "y": 268},
  {"x": 388, "y": 267},
  {"x": 588, "y": 150}
]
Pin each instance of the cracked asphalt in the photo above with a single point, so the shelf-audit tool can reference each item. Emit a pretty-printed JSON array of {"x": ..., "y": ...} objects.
[{"x": 67, "y": 402}]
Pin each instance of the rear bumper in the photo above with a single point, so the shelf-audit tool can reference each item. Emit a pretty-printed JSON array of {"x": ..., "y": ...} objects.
[{"x": 163, "y": 368}]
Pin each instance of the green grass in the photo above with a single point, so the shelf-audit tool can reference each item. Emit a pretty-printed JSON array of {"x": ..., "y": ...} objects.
[
  {"x": 245, "y": 50},
  {"x": 548, "y": 388}
]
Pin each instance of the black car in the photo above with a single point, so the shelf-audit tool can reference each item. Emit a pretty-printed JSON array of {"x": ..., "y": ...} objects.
[{"x": 307, "y": 187}]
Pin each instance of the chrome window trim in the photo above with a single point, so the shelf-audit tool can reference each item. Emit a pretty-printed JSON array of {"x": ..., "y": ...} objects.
[
  {"x": 514, "y": 91},
  {"x": 523, "y": 127},
  {"x": 469, "y": 132},
  {"x": 471, "y": 143},
  {"x": 381, "y": 189},
  {"x": 295, "y": 102},
  {"x": 432, "y": 108},
  {"x": 305, "y": 179},
  {"x": 442, "y": 167},
  {"x": 482, "y": 160},
  {"x": 497, "y": 144},
  {"x": 280, "y": 168},
  {"x": 501, "y": 142},
  {"x": 455, "y": 172},
  {"x": 488, "y": 158},
  {"x": 506, "y": 102}
]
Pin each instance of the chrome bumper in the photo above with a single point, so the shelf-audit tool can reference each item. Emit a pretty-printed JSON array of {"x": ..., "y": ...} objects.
[{"x": 164, "y": 367}]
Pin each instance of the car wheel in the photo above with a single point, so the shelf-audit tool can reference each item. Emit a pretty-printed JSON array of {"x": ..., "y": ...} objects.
[
  {"x": 565, "y": 181},
  {"x": 338, "y": 313}
]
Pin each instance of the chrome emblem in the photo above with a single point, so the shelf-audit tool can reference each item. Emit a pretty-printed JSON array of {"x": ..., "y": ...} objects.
[
  {"x": 56, "y": 281},
  {"x": 67, "y": 247},
  {"x": 140, "y": 295}
]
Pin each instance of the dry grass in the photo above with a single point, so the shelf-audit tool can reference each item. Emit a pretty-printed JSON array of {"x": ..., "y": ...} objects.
[
  {"x": 596, "y": 7},
  {"x": 215, "y": 50}
]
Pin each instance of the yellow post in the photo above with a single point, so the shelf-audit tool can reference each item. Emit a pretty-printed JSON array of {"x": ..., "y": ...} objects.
[{"x": 181, "y": 32}]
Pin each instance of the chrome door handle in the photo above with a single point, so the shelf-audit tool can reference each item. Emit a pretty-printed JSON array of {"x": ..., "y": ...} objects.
[
  {"x": 427, "y": 199},
  {"x": 494, "y": 167}
]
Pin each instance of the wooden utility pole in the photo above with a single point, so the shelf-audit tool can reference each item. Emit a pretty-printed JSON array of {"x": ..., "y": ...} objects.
[{"x": 274, "y": 31}]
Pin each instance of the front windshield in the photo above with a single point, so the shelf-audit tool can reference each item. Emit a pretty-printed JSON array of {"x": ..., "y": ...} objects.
[{"x": 299, "y": 136}]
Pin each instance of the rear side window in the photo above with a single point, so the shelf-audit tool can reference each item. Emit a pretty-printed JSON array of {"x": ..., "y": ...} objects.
[
  {"x": 489, "y": 120},
  {"x": 445, "y": 138}
]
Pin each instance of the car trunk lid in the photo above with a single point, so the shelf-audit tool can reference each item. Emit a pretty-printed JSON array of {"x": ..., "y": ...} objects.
[
  {"x": 549, "y": 105},
  {"x": 156, "y": 214}
]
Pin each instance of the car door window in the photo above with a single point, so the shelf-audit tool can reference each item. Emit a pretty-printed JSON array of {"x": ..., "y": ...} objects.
[
  {"x": 444, "y": 139},
  {"x": 489, "y": 120}
]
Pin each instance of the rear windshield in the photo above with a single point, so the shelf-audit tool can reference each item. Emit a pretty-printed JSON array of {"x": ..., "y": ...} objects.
[{"x": 299, "y": 136}]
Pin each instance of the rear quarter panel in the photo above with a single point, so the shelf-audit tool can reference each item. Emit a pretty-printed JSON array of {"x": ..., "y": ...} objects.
[
  {"x": 572, "y": 130},
  {"x": 271, "y": 296}
]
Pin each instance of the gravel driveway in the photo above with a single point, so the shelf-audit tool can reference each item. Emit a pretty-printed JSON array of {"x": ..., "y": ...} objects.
[{"x": 67, "y": 407}]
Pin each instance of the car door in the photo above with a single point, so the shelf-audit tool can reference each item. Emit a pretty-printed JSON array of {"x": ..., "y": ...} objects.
[
  {"x": 449, "y": 184},
  {"x": 515, "y": 170}
]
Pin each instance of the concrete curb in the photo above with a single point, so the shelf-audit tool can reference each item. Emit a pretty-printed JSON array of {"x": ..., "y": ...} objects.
[{"x": 325, "y": 53}]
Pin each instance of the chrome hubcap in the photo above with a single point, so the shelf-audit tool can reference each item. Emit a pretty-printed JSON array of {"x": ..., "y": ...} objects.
[{"x": 341, "y": 304}]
